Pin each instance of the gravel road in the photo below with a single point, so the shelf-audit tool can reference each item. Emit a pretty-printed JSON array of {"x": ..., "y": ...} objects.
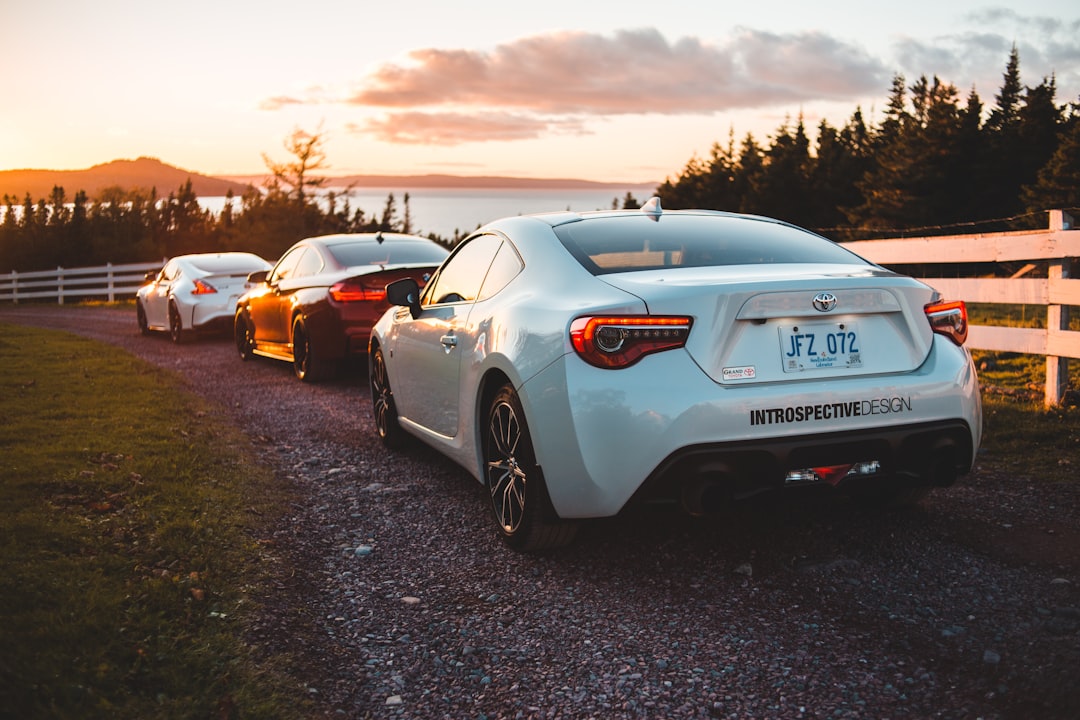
[{"x": 399, "y": 600}]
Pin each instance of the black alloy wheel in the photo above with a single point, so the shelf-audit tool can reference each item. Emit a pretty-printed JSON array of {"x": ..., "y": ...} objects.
[
  {"x": 140, "y": 317},
  {"x": 382, "y": 403},
  {"x": 176, "y": 325},
  {"x": 244, "y": 334},
  {"x": 519, "y": 499},
  {"x": 306, "y": 363}
]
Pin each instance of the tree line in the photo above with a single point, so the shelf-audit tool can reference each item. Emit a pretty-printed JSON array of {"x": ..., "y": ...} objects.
[
  {"x": 932, "y": 165},
  {"x": 134, "y": 225}
]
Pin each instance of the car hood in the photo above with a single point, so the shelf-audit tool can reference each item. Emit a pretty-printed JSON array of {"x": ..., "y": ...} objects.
[{"x": 744, "y": 318}]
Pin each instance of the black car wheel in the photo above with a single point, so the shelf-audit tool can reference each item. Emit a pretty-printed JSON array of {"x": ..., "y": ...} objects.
[
  {"x": 176, "y": 325},
  {"x": 244, "y": 334},
  {"x": 519, "y": 498},
  {"x": 382, "y": 403},
  {"x": 306, "y": 362},
  {"x": 140, "y": 317}
]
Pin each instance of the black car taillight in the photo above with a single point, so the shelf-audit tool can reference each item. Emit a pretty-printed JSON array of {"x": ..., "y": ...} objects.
[
  {"x": 620, "y": 341},
  {"x": 949, "y": 319}
]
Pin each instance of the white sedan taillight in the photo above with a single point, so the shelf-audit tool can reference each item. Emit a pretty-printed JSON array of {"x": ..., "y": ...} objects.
[
  {"x": 949, "y": 319},
  {"x": 620, "y": 341}
]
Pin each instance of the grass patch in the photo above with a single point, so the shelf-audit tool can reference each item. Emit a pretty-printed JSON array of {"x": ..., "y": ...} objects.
[
  {"x": 130, "y": 518},
  {"x": 1022, "y": 437}
]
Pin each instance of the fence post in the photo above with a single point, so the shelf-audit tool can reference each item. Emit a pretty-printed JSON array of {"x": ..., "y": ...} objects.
[
  {"x": 1057, "y": 318},
  {"x": 59, "y": 285},
  {"x": 109, "y": 281},
  {"x": 14, "y": 287}
]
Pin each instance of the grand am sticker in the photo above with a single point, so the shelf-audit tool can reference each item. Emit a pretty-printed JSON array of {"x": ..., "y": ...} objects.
[{"x": 830, "y": 411}]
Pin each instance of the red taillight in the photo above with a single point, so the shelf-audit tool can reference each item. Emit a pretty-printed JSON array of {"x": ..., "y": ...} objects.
[
  {"x": 347, "y": 291},
  {"x": 832, "y": 474},
  {"x": 949, "y": 319},
  {"x": 617, "y": 342},
  {"x": 202, "y": 288}
]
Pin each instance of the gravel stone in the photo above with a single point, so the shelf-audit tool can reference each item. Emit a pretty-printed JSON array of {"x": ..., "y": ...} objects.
[{"x": 967, "y": 606}]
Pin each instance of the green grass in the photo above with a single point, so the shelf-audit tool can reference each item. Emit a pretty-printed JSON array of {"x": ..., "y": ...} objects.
[{"x": 130, "y": 520}]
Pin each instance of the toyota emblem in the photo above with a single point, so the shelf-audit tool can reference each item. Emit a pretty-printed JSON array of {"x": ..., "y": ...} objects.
[{"x": 824, "y": 302}]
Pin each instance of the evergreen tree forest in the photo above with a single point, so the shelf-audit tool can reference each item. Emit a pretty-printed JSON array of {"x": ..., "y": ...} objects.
[{"x": 935, "y": 163}]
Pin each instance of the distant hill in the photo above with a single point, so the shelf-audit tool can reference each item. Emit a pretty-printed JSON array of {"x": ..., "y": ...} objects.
[
  {"x": 462, "y": 181},
  {"x": 144, "y": 173}
]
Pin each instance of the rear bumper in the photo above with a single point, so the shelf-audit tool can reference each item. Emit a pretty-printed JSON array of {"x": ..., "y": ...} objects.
[
  {"x": 665, "y": 422},
  {"x": 930, "y": 454}
]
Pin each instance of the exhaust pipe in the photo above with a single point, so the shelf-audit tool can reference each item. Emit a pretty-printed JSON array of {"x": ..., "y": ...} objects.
[{"x": 706, "y": 493}]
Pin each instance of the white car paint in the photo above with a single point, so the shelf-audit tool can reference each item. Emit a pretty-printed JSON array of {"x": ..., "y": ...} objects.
[
  {"x": 174, "y": 286},
  {"x": 727, "y": 408}
]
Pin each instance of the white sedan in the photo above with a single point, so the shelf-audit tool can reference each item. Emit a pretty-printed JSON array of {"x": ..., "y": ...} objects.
[
  {"x": 196, "y": 292},
  {"x": 574, "y": 363}
]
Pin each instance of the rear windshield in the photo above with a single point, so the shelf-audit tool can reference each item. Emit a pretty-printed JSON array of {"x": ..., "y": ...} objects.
[
  {"x": 229, "y": 263},
  {"x": 637, "y": 242},
  {"x": 388, "y": 253}
]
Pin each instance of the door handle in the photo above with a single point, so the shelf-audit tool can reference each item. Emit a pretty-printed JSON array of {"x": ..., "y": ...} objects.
[{"x": 449, "y": 342}]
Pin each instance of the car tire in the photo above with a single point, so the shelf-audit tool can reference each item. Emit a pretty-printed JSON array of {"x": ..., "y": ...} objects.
[
  {"x": 140, "y": 317},
  {"x": 306, "y": 362},
  {"x": 244, "y": 334},
  {"x": 520, "y": 503},
  {"x": 176, "y": 325},
  {"x": 382, "y": 403}
]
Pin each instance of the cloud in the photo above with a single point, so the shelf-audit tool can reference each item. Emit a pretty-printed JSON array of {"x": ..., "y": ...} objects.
[
  {"x": 978, "y": 56},
  {"x": 420, "y": 128},
  {"x": 279, "y": 101},
  {"x": 630, "y": 72}
]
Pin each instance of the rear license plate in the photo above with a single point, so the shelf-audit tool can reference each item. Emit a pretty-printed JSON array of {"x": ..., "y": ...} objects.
[{"x": 820, "y": 346}]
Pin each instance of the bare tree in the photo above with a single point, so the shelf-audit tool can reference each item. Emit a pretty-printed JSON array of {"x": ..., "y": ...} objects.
[{"x": 295, "y": 176}]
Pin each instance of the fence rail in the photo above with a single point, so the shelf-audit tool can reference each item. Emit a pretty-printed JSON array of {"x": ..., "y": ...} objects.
[
  {"x": 107, "y": 281},
  {"x": 1056, "y": 247}
]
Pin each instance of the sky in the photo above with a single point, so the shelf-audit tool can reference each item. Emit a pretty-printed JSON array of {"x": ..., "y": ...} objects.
[{"x": 621, "y": 92}]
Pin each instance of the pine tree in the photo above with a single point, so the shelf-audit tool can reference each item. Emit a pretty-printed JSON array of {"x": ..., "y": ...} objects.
[{"x": 1057, "y": 186}]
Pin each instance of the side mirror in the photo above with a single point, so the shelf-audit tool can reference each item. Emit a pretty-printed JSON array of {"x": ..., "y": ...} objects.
[
  {"x": 258, "y": 277},
  {"x": 406, "y": 292}
]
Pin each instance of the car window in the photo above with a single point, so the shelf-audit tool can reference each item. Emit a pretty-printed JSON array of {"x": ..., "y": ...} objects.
[
  {"x": 287, "y": 264},
  {"x": 228, "y": 263},
  {"x": 503, "y": 269},
  {"x": 310, "y": 264},
  {"x": 388, "y": 253},
  {"x": 638, "y": 242},
  {"x": 460, "y": 278},
  {"x": 171, "y": 271}
]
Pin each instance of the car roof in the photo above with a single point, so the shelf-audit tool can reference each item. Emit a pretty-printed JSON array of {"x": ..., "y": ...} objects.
[
  {"x": 347, "y": 238},
  {"x": 653, "y": 209}
]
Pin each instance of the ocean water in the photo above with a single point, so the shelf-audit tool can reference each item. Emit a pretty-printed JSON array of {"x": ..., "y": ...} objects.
[{"x": 445, "y": 210}]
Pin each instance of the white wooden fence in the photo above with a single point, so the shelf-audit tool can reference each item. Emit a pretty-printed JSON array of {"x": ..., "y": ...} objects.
[
  {"x": 1056, "y": 246},
  {"x": 107, "y": 281}
]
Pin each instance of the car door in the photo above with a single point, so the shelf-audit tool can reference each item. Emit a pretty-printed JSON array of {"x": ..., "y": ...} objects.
[
  {"x": 428, "y": 350},
  {"x": 157, "y": 299},
  {"x": 269, "y": 307}
]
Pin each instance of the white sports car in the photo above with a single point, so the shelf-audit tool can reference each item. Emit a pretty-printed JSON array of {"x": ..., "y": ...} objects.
[
  {"x": 574, "y": 363},
  {"x": 196, "y": 292}
]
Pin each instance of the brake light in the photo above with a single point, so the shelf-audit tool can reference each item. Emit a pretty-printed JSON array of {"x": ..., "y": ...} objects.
[
  {"x": 351, "y": 291},
  {"x": 202, "y": 288},
  {"x": 620, "y": 341},
  {"x": 949, "y": 319}
]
